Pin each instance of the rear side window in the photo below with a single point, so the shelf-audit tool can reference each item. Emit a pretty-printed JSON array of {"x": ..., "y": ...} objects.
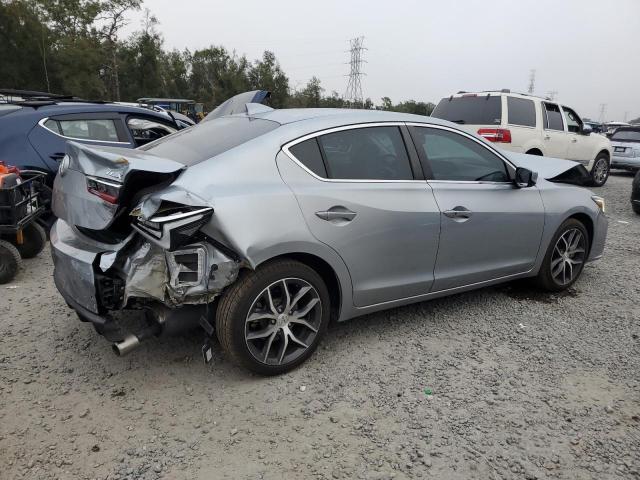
[
  {"x": 473, "y": 110},
  {"x": 553, "y": 117},
  {"x": 308, "y": 152},
  {"x": 521, "y": 112},
  {"x": 372, "y": 153},
  {"x": 98, "y": 129},
  {"x": 208, "y": 139}
]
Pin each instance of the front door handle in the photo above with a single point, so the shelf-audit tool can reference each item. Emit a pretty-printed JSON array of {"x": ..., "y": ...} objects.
[
  {"x": 337, "y": 213},
  {"x": 547, "y": 137},
  {"x": 458, "y": 213},
  {"x": 56, "y": 156},
  {"x": 574, "y": 140}
]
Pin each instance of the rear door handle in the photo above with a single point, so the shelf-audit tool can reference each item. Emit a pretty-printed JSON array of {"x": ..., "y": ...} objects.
[
  {"x": 336, "y": 213},
  {"x": 574, "y": 140},
  {"x": 547, "y": 137},
  {"x": 458, "y": 213}
]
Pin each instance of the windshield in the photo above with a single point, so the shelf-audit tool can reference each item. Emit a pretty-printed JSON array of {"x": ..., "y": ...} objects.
[
  {"x": 626, "y": 136},
  {"x": 206, "y": 140},
  {"x": 474, "y": 110}
]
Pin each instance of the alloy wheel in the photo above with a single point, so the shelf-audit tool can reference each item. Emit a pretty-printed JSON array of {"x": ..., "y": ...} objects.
[
  {"x": 283, "y": 321},
  {"x": 600, "y": 171},
  {"x": 568, "y": 256}
]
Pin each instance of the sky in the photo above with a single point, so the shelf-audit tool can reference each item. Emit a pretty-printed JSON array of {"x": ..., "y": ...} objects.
[{"x": 588, "y": 51}]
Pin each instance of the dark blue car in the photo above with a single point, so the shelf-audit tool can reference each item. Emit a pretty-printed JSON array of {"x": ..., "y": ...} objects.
[{"x": 33, "y": 133}]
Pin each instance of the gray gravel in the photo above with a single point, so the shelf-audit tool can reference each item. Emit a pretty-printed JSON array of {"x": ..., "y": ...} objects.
[{"x": 518, "y": 385}]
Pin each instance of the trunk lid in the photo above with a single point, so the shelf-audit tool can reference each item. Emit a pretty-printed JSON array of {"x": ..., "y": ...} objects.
[{"x": 97, "y": 186}]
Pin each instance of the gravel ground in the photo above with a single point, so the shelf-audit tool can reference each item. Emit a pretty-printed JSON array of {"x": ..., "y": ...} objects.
[{"x": 503, "y": 382}]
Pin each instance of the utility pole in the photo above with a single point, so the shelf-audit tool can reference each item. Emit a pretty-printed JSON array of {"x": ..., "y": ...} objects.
[
  {"x": 603, "y": 111},
  {"x": 532, "y": 81},
  {"x": 353, "y": 93},
  {"x": 626, "y": 115}
]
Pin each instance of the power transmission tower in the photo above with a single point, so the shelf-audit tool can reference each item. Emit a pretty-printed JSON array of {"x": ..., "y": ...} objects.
[
  {"x": 603, "y": 111},
  {"x": 532, "y": 80},
  {"x": 551, "y": 94},
  {"x": 354, "y": 86},
  {"x": 626, "y": 115}
]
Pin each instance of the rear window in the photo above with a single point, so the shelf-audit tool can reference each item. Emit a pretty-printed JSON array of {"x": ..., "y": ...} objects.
[
  {"x": 521, "y": 112},
  {"x": 208, "y": 139},
  {"x": 474, "y": 110},
  {"x": 626, "y": 136}
]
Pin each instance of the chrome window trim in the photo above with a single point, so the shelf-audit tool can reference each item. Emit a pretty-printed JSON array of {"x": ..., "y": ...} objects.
[
  {"x": 44, "y": 120},
  {"x": 319, "y": 133}
]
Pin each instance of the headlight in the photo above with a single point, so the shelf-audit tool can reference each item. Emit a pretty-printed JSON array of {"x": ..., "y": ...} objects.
[{"x": 600, "y": 202}]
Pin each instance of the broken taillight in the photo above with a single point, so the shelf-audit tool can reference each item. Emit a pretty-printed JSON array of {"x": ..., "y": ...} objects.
[
  {"x": 498, "y": 135},
  {"x": 107, "y": 191}
]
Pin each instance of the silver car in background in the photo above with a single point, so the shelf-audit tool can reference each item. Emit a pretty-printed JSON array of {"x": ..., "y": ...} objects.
[
  {"x": 625, "y": 142},
  {"x": 264, "y": 226}
]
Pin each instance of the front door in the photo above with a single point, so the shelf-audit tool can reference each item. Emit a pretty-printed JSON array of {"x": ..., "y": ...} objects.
[
  {"x": 358, "y": 193},
  {"x": 581, "y": 147},
  {"x": 490, "y": 229}
]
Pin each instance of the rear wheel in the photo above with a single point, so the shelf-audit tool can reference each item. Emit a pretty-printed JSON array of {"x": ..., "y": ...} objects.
[
  {"x": 10, "y": 261},
  {"x": 271, "y": 320},
  {"x": 565, "y": 257},
  {"x": 600, "y": 171}
]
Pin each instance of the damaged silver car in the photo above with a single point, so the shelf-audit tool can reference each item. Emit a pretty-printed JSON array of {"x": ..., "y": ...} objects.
[{"x": 265, "y": 225}]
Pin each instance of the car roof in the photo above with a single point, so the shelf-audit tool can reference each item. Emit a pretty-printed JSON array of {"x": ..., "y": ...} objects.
[{"x": 46, "y": 109}]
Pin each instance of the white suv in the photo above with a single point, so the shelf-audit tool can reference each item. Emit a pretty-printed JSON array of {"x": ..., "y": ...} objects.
[{"x": 529, "y": 124}]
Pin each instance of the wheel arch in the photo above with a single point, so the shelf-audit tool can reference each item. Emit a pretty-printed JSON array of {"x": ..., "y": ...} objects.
[
  {"x": 338, "y": 285},
  {"x": 587, "y": 221},
  {"x": 605, "y": 152},
  {"x": 534, "y": 151}
]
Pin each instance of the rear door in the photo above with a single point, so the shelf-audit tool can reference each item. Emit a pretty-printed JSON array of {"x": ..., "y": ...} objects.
[
  {"x": 522, "y": 123},
  {"x": 555, "y": 140},
  {"x": 361, "y": 193},
  {"x": 490, "y": 229},
  {"x": 50, "y": 136}
]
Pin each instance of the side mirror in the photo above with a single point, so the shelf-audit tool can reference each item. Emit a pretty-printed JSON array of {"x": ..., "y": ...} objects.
[
  {"x": 525, "y": 178},
  {"x": 586, "y": 129}
]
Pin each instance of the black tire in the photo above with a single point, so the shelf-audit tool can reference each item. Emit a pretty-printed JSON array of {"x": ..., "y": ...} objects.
[
  {"x": 636, "y": 208},
  {"x": 545, "y": 278},
  {"x": 237, "y": 301},
  {"x": 598, "y": 180},
  {"x": 34, "y": 240},
  {"x": 10, "y": 261}
]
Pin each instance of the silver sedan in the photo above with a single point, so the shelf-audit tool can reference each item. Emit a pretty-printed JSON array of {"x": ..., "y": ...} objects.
[{"x": 263, "y": 226}]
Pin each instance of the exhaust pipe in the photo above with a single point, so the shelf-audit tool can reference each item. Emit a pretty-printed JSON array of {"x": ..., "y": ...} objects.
[{"x": 131, "y": 341}]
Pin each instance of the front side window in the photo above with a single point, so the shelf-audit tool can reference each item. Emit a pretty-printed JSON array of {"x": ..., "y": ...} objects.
[
  {"x": 574, "y": 124},
  {"x": 521, "y": 112},
  {"x": 371, "y": 153},
  {"x": 103, "y": 130},
  {"x": 454, "y": 157},
  {"x": 553, "y": 117}
]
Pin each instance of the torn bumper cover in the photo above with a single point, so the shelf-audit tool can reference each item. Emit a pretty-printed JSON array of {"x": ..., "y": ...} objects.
[{"x": 136, "y": 273}]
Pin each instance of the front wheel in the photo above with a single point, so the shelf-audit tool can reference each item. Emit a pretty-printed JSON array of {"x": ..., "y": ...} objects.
[
  {"x": 600, "y": 171},
  {"x": 565, "y": 257},
  {"x": 272, "y": 319}
]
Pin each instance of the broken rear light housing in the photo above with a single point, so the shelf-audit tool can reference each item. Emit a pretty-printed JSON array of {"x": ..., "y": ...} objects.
[
  {"x": 105, "y": 190},
  {"x": 497, "y": 135},
  {"x": 171, "y": 228}
]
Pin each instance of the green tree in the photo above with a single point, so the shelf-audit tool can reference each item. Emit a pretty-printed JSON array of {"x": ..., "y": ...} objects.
[{"x": 266, "y": 74}]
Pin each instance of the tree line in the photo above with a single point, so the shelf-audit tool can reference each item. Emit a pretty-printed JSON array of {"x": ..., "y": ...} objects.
[{"x": 73, "y": 47}]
